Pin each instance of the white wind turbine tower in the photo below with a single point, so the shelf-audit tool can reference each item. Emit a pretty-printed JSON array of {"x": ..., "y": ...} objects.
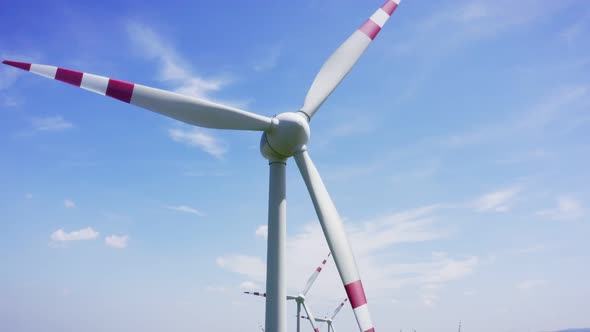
[
  {"x": 283, "y": 136},
  {"x": 300, "y": 299},
  {"x": 330, "y": 321}
]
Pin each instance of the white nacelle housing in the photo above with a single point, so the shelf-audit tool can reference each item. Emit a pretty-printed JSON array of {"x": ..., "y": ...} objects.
[{"x": 288, "y": 134}]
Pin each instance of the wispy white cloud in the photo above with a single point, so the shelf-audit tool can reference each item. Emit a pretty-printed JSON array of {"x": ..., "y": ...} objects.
[
  {"x": 560, "y": 109},
  {"x": 527, "y": 285},
  {"x": 262, "y": 231},
  {"x": 560, "y": 104},
  {"x": 249, "y": 285},
  {"x": 68, "y": 203},
  {"x": 198, "y": 138},
  {"x": 186, "y": 209},
  {"x": 568, "y": 208},
  {"x": 51, "y": 124},
  {"x": 216, "y": 289},
  {"x": 84, "y": 234},
  {"x": 117, "y": 241},
  {"x": 497, "y": 201},
  {"x": 29, "y": 196},
  {"x": 479, "y": 19},
  {"x": 250, "y": 266},
  {"x": 268, "y": 58},
  {"x": 372, "y": 242},
  {"x": 9, "y": 101},
  {"x": 8, "y": 74},
  {"x": 174, "y": 69},
  {"x": 574, "y": 31}
]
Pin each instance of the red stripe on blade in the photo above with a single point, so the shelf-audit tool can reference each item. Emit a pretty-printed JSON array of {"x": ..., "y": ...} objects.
[
  {"x": 317, "y": 329},
  {"x": 389, "y": 7},
  {"x": 120, "y": 90},
  {"x": 319, "y": 269},
  {"x": 69, "y": 76},
  {"x": 371, "y": 330},
  {"x": 356, "y": 294},
  {"x": 20, "y": 65},
  {"x": 370, "y": 28}
]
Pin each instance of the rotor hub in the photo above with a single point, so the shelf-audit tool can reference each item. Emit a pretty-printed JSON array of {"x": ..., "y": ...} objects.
[{"x": 289, "y": 132}]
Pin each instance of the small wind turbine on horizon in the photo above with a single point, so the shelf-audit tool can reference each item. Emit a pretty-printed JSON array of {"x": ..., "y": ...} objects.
[
  {"x": 330, "y": 321},
  {"x": 300, "y": 298},
  {"x": 284, "y": 136}
]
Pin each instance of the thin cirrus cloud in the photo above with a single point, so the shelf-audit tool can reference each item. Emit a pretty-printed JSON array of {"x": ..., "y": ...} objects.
[
  {"x": 68, "y": 203},
  {"x": 117, "y": 241},
  {"x": 51, "y": 124},
  {"x": 268, "y": 59},
  {"x": 527, "y": 285},
  {"x": 249, "y": 285},
  {"x": 250, "y": 266},
  {"x": 198, "y": 138},
  {"x": 262, "y": 231},
  {"x": 568, "y": 208},
  {"x": 186, "y": 209},
  {"x": 370, "y": 240},
  {"x": 83, "y": 234},
  {"x": 497, "y": 201},
  {"x": 173, "y": 68}
]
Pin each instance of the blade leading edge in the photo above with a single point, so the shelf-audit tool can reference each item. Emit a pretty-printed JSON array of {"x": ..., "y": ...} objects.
[
  {"x": 337, "y": 240},
  {"x": 344, "y": 58},
  {"x": 187, "y": 109}
]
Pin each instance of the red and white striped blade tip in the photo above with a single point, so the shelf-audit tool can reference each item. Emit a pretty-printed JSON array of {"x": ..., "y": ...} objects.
[
  {"x": 337, "y": 240},
  {"x": 344, "y": 58},
  {"x": 19, "y": 65},
  {"x": 187, "y": 109}
]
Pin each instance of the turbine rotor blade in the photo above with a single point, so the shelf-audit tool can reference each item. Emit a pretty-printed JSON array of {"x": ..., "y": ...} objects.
[
  {"x": 256, "y": 294},
  {"x": 344, "y": 58},
  {"x": 338, "y": 309},
  {"x": 315, "y": 275},
  {"x": 187, "y": 109},
  {"x": 310, "y": 317},
  {"x": 321, "y": 320},
  {"x": 289, "y": 297},
  {"x": 337, "y": 240}
]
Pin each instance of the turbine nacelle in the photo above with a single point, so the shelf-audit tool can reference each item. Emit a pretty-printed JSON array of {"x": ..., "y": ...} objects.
[
  {"x": 288, "y": 134},
  {"x": 300, "y": 298}
]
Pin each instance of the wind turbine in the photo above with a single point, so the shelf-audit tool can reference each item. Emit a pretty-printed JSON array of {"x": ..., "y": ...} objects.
[
  {"x": 330, "y": 320},
  {"x": 300, "y": 299},
  {"x": 283, "y": 136}
]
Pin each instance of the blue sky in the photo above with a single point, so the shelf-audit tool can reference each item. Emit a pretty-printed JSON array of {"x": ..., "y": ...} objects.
[{"x": 456, "y": 151}]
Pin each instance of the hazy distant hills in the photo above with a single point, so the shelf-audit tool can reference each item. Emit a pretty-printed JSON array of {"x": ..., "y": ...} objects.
[{"x": 576, "y": 330}]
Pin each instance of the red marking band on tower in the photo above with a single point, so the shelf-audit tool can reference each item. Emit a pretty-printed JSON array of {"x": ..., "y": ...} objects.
[
  {"x": 120, "y": 90},
  {"x": 20, "y": 65},
  {"x": 389, "y": 7},
  {"x": 356, "y": 294},
  {"x": 69, "y": 76},
  {"x": 370, "y": 28}
]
